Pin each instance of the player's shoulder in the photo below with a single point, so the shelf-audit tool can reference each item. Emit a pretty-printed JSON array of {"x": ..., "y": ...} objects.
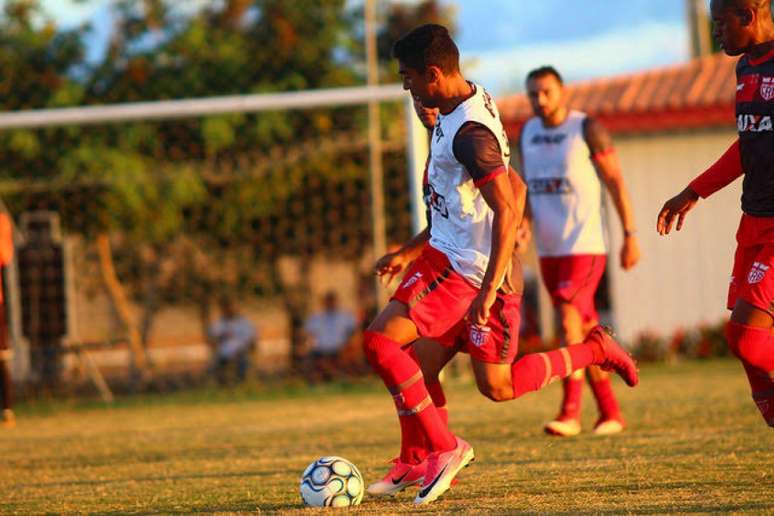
[{"x": 480, "y": 105}]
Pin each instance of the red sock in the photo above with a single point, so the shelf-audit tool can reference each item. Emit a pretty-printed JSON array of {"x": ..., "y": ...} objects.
[
  {"x": 755, "y": 348},
  {"x": 439, "y": 400},
  {"x": 404, "y": 380},
  {"x": 413, "y": 446},
  {"x": 536, "y": 370},
  {"x": 607, "y": 404},
  {"x": 571, "y": 401}
]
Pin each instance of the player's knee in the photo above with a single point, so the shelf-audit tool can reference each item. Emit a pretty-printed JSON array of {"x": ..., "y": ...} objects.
[
  {"x": 371, "y": 346},
  {"x": 496, "y": 392}
]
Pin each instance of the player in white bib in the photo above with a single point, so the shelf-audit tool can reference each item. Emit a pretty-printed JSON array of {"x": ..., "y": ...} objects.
[
  {"x": 566, "y": 159},
  {"x": 452, "y": 289}
]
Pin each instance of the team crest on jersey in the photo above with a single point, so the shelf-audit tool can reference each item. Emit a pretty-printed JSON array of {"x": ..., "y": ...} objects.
[
  {"x": 767, "y": 88},
  {"x": 757, "y": 272},
  {"x": 479, "y": 334}
]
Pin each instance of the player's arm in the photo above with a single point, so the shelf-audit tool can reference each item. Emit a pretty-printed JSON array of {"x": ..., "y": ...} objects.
[
  {"x": 715, "y": 178},
  {"x": 479, "y": 151},
  {"x": 605, "y": 162},
  {"x": 391, "y": 264}
]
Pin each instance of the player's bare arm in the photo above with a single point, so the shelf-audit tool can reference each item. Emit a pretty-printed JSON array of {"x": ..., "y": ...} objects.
[
  {"x": 607, "y": 166},
  {"x": 392, "y": 264},
  {"x": 724, "y": 171},
  {"x": 498, "y": 194}
]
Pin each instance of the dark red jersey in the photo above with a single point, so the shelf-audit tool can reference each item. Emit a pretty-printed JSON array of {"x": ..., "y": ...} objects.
[{"x": 755, "y": 121}]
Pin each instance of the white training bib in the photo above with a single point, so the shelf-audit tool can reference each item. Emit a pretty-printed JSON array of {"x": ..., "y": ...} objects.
[
  {"x": 565, "y": 193},
  {"x": 461, "y": 219}
]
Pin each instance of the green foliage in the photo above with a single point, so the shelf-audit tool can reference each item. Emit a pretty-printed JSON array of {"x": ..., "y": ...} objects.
[{"x": 251, "y": 186}]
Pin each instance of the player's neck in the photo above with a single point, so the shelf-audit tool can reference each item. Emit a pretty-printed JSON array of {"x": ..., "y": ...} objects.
[
  {"x": 556, "y": 118},
  {"x": 763, "y": 49},
  {"x": 455, "y": 92}
]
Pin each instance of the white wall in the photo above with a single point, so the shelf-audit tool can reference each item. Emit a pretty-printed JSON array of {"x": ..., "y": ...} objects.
[{"x": 682, "y": 279}]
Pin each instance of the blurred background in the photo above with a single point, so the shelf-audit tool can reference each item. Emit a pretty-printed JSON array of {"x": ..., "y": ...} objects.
[{"x": 166, "y": 245}]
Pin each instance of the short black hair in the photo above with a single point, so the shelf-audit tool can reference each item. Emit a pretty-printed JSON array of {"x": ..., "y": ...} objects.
[
  {"x": 545, "y": 71},
  {"x": 428, "y": 45}
]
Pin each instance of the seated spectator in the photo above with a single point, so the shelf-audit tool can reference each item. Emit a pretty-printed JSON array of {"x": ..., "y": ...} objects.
[
  {"x": 328, "y": 332},
  {"x": 232, "y": 338}
]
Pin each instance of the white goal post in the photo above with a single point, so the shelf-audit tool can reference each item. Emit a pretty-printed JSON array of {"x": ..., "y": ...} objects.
[{"x": 416, "y": 145}]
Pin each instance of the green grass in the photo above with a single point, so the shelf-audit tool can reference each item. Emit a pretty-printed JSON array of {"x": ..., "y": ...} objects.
[{"x": 695, "y": 444}]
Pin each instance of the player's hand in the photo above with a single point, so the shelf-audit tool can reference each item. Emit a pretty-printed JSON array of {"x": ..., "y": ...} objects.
[
  {"x": 388, "y": 266},
  {"x": 478, "y": 313},
  {"x": 630, "y": 252},
  {"x": 523, "y": 236},
  {"x": 676, "y": 208}
]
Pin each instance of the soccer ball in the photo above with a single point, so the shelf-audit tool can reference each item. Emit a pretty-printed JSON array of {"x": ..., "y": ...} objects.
[{"x": 331, "y": 482}]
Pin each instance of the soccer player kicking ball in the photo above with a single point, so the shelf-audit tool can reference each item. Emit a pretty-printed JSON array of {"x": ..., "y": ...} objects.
[
  {"x": 566, "y": 158},
  {"x": 745, "y": 27},
  {"x": 452, "y": 285}
]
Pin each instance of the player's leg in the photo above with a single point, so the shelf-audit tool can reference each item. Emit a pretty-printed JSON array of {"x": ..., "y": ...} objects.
[
  {"x": 570, "y": 329},
  {"x": 382, "y": 344},
  {"x": 749, "y": 332},
  {"x": 610, "y": 420},
  {"x": 500, "y": 378},
  {"x": 410, "y": 466},
  {"x": 502, "y": 382},
  {"x": 750, "y": 338},
  {"x": 410, "y": 463},
  {"x": 432, "y": 358}
]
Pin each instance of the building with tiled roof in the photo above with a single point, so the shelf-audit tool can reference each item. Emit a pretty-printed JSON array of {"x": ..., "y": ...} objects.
[
  {"x": 697, "y": 94},
  {"x": 668, "y": 124}
]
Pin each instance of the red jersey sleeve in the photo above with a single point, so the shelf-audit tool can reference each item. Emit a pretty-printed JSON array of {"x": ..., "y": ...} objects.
[{"x": 720, "y": 174}]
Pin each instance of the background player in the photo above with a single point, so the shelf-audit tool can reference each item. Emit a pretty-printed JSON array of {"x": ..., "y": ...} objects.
[
  {"x": 745, "y": 27},
  {"x": 451, "y": 288},
  {"x": 566, "y": 157}
]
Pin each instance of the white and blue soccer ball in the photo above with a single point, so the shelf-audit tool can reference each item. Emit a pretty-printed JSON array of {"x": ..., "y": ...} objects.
[{"x": 331, "y": 482}]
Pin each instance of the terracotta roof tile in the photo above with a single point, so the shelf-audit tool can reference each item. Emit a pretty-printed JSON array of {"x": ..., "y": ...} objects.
[{"x": 696, "y": 94}]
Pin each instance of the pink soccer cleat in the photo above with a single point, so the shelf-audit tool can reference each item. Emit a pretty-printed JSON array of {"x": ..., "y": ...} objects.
[
  {"x": 400, "y": 476},
  {"x": 615, "y": 357},
  {"x": 442, "y": 468}
]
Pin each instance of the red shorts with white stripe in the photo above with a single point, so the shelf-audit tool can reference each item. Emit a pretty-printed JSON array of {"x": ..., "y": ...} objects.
[
  {"x": 438, "y": 299},
  {"x": 574, "y": 279},
  {"x": 752, "y": 278}
]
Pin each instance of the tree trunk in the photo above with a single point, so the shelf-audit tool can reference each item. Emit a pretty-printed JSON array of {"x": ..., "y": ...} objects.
[{"x": 121, "y": 303}]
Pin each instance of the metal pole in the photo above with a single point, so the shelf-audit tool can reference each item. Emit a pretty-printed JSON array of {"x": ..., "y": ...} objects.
[
  {"x": 375, "y": 149},
  {"x": 417, "y": 150}
]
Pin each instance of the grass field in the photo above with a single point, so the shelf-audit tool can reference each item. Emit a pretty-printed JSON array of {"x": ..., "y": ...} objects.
[{"x": 695, "y": 444}]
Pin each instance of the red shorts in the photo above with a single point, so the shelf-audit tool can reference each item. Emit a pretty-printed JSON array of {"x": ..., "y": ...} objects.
[
  {"x": 438, "y": 299},
  {"x": 574, "y": 279},
  {"x": 752, "y": 279}
]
